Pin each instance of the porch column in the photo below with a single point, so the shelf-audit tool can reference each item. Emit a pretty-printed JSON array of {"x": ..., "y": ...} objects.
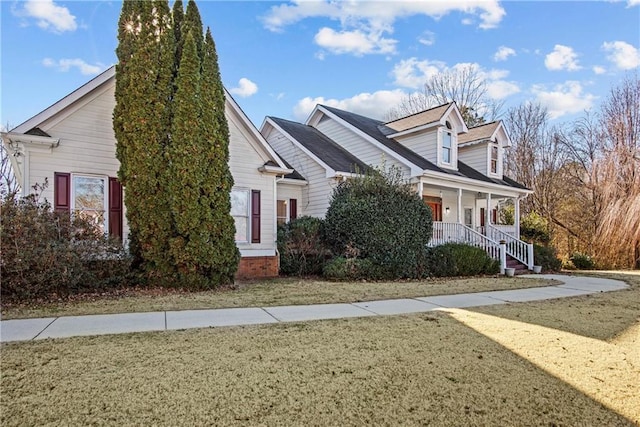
[
  {"x": 516, "y": 217},
  {"x": 487, "y": 212},
  {"x": 459, "y": 205},
  {"x": 420, "y": 188}
]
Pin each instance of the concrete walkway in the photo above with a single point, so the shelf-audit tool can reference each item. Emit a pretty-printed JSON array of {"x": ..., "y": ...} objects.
[{"x": 62, "y": 327}]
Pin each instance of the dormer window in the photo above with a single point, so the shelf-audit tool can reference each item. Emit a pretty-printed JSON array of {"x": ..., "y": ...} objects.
[
  {"x": 494, "y": 159},
  {"x": 447, "y": 141}
]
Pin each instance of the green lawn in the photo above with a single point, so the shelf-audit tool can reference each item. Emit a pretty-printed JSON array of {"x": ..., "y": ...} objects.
[
  {"x": 423, "y": 369},
  {"x": 265, "y": 293}
]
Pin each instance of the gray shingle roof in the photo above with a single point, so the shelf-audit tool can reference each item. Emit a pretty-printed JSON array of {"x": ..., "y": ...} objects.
[
  {"x": 376, "y": 130},
  {"x": 336, "y": 157}
]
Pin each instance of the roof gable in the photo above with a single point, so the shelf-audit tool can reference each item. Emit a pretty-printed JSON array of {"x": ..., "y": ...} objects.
[
  {"x": 323, "y": 149},
  {"x": 493, "y": 131},
  {"x": 433, "y": 117},
  {"x": 108, "y": 77}
]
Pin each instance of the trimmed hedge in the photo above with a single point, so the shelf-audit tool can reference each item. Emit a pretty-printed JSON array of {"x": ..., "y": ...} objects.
[
  {"x": 457, "y": 259},
  {"x": 380, "y": 218},
  {"x": 301, "y": 247}
]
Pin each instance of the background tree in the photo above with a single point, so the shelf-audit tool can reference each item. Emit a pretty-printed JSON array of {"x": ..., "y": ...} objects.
[{"x": 464, "y": 84}]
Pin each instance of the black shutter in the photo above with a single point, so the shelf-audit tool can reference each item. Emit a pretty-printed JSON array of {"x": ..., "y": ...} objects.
[{"x": 293, "y": 209}]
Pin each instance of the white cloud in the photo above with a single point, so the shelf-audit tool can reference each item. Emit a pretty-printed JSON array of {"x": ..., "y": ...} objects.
[
  {"x": 599, "y": 70},
  {"x": 48, "y": 15},
  {"x": 374, "y": 105},
  {"x": 365, "y": 25},
  {"x": 355, "y": 42},
  {"x": 428, "y": 38},
  {"x": 501, "y": 89},
  {"x": 412, "y": 73},
  {"x": 503, "y": 53},
  {"x": 245, "y": 88},
  {"x": 566, "y": 98},
  {"x": 562, "y": 58},
  {"x": 379, "y": 14},
  {"x": 65, "y": 65},
  {"x": 631, "y": 3},
  {"x": 622, "y": 54}
]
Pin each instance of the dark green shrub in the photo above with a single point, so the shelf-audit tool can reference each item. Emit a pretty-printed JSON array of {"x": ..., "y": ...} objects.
[
  {"x": 51, "y": 255},
  {"x": 380, "y": 218},
  {"x": 545, "y": 256},
  {"x": 342, "y": 268},
  {"x": 457, "y": 259},
  {"x": 582, "y": 261},
  {"x": 302, "y": 250},
  {"x": 534, "y": 228}
]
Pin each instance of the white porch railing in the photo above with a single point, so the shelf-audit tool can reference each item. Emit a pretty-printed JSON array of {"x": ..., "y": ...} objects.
[
  {"x": 516, "y": 248},
  {"x": 446, "y": 232}
]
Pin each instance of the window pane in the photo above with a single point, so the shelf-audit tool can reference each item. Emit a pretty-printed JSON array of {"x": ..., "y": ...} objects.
[
  {"x": 88, "y": 193},
  {"x": 446, "y": 155},
  {"x": 281, "y": 212},
  {"x": 446, "y": 140},
  {"x": 242, "y": 226},
  {"x": 239, "y": 202}
]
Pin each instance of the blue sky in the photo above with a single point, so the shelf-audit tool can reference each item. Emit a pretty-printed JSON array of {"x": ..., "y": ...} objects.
[{"x": 281, "y": 58}]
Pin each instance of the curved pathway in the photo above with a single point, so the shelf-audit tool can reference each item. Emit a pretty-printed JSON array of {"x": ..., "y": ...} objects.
[{"x": 62, "y": 327}]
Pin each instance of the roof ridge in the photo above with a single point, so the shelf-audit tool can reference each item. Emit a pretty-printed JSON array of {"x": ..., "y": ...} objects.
[{"x": 420, "y": 112}]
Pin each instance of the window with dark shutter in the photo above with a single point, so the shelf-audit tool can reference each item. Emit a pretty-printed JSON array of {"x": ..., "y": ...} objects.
[
  {"x": 255, "y": 216},
  {"x": 293, "y": 209},
  {"x": 62, "y": 192},
  {"x": 115, "y": 208}
]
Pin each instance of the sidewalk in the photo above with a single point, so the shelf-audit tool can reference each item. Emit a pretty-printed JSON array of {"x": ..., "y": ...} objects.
[{"x": 62, "y": 327}]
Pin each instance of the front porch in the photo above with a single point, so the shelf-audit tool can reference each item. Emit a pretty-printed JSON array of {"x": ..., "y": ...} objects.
[{"x": 470, "y": 214}]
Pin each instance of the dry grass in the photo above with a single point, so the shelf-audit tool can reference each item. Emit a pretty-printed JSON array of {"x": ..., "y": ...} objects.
[
  {"x": 397, "y": 370},
  {"x": 266, "y": 293}
]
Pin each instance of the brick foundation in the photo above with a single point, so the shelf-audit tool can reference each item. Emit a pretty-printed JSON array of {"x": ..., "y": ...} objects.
[{"x": 257, "y": 267}]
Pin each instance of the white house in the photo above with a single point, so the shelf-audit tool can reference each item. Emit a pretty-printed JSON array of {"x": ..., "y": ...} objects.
[
  {"x": 71, "y": 144},
  {"x": 457, "y": 171}
]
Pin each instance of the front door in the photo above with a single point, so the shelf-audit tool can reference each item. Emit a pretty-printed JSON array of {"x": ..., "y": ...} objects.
[{"x": 435, "y": 203}]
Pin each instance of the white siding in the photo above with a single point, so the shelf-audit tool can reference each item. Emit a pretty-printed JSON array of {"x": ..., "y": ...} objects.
[
  {"x": 475, "y": 156},
  {"x": 87, "y": 145},
  {"x": 359, "y": 146},
  {"x": 315, "y": 195},
  {"x": 244, "y": 161},
  {"x": 424, "y": 143}
]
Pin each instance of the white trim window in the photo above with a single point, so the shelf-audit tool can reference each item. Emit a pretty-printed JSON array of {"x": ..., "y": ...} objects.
[
  {"x": 282, "y": 211},
  {"x": 447, "y": 155},
  {"x": 240, "y": 213},
  {"x": 493, "y": 159},
  {"x": 90, "y": 198}
]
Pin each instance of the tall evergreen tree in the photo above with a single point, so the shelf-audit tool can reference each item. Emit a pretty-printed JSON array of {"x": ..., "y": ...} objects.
[
  {"x": 142, "y": 125},
  {"x": 216, "y": 132},
  {"x": 193, "y": 22},
  {"x": 178, "y": 17},
  {"x": 173, "y": 145}
]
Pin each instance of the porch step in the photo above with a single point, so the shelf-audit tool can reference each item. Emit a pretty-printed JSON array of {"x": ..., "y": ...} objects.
[{"x": 514, "y": 263}]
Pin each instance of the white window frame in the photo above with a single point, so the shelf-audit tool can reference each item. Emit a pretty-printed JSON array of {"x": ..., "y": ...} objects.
[
  {"x": 105, "y": 202},
  {"x": 247, "y": 215},
  {"x": 493, "y": 146},
  {"x": 453, "y": 157},
  {"x": 287, "y": 215}
]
